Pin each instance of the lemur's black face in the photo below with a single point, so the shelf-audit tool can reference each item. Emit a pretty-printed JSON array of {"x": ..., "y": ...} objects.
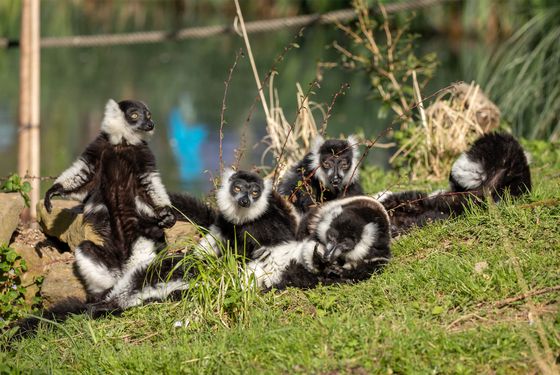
[
  {"x": 336, "y": 161},
  {"x": 137, "y": 115},
  {"x": 339, "y": 243},
  {"x": 246, "y": 188}
]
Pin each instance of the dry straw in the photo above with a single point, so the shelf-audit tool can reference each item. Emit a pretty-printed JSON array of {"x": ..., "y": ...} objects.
[{"x": 448, "y": 126}]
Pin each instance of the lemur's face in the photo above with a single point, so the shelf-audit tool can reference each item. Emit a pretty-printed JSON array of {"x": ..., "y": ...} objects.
[
  {"x": 137, "y": 115},
  {"x": 339, "y": 244},
  {"x": 336, "y": 161},
  {"x": 245, "y": 188}
]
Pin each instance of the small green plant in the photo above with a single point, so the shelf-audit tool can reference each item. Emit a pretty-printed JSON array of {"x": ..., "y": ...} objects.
[
  {"x": 12, "y": 292},
  {"x": 14, "y": 184}
]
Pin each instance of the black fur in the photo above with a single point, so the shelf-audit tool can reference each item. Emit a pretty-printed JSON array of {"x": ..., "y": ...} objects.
[
  {"x": 504, "y": 164},
  {"x": 192, "y": 209},
  {"x": 239, "y": 195},
  {"x": 326, "y": 173},
  {"x": 117, "y": 179},
  {"x": 493, "y": 165}
]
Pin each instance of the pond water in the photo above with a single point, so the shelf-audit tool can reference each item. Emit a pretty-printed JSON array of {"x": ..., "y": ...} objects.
[{"x": 183, "y": 84}]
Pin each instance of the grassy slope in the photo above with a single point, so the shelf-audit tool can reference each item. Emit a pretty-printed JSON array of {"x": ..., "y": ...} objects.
[{"x": 434, "y": 309}]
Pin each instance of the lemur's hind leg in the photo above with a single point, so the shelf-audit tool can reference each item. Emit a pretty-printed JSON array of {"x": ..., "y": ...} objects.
[{"x": 97, "y": 268}]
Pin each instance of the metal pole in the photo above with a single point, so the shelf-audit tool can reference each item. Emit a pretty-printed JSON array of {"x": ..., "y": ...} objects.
[{"x": 35, "y": 94}]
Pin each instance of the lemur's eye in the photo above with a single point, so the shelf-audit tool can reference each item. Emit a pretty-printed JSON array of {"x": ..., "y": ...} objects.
[
  {"x": 134, "y": 115},
  {"x": 327, "y": 164},
  {"x": 255, "y": 193},
  {"x": 236, "y": 189},
  {"x": 343, "y": 164}
]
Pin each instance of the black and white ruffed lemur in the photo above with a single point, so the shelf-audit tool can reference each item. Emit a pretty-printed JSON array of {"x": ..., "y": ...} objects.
[
  {"x": 126, "y": 203},
  {"x": 329, "y": 171},
  {"x": 494, "y": 165},
  {"x": 344, "y": 240},
  {"x": 250, "y": 215}
]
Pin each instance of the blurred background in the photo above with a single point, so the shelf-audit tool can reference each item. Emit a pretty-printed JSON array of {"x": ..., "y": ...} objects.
[{"x": 511, "y": 48}]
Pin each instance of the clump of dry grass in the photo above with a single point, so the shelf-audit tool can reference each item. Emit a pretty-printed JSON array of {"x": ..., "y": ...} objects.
[
  {"x": 448, "y": 126},
  {"x": 289, "y": 142}
]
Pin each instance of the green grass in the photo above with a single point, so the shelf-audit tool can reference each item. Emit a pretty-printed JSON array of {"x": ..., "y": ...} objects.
[{"x": 441, "y": 306}]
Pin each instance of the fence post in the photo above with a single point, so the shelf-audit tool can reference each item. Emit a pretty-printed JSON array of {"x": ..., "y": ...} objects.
[{"x": 29, "y": 105}]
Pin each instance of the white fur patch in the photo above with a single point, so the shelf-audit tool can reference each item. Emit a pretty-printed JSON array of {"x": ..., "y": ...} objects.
[
  {"x": 160, "y": 291},
  {"x": 210, "y": 243},
  {"x": 97, "y": 277},
  {"x": 155, "y": 189},
  {"x": 91, "y": 208},
  {"x": 115, "y": 125},
  {"x": 75, "y": 176},
  {"x": 232, "y": 211},
  {"x": 326, "y": 220},
  {"x": 437, "y": 192},
  {"x": 354, "y": 171},
  {"x": 268, "y": 269},
  {"x": 467, "y": 173},
  {"x": 369, "y": 235},
  {"x": 143, "y": 208},
  {"x": 142, "y": 253},
  {"x": 382, "y": 196}
]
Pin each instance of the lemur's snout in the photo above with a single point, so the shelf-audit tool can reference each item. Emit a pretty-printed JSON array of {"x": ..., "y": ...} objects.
[
  {"x": 148, "y": 126},
  {"x": 244, "y": 201}
]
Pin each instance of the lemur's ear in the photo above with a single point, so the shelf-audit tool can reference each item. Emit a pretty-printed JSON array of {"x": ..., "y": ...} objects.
[
  {"x": 317, "y": 143},
  {"x": 354, "y": 143},
  {"x": 226, "y": 175}
]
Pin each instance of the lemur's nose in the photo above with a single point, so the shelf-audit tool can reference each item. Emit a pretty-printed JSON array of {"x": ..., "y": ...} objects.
[{"x": 244, "y": 201}]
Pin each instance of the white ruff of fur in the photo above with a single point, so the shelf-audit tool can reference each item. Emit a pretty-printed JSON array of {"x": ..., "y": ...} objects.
[
  {"x": 232, "y": 211},
  {"x": 75, "y": 176},
  {"x": 115, "y": 125},
  {"x": 361, "y": 250},
  {"x": 467, "y": 173},
  {"x": 143, "y": 252},
  {"x": 155, "y": 189},
  {"x": 268, "y": 269},
  {"x": 354, "y": 171},
  {"x": 98, "y": 277},
  {"x": 326, "y": 219}
]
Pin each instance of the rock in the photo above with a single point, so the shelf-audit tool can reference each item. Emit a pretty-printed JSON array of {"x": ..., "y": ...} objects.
[
  {"x": 181, "y": 236},
  {"x": 65, "y": 223},
  {"x": 61, "y": 283},
  {"x": 11, "y": 206},
  {"x": 44, "y": 259}
]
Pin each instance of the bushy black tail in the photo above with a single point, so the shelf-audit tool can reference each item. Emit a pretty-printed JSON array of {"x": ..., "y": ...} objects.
[
  {"x": 192, "y": 208},
  {"x": 409, "y": 209},
  {"x": 494, "y": 164}
]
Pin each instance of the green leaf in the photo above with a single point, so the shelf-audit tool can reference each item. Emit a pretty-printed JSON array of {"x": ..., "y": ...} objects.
[
  {"x": 26, "y": 187},
  {"x": 437, "y": 310}
]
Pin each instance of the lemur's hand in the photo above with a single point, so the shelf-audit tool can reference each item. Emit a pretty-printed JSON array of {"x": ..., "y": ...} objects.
[
  {"x": 53, "y": 191},
  {"x": 166, "y": 217}
]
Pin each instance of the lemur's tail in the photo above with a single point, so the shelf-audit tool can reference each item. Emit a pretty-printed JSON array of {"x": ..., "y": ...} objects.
[
  {"x": 193, "y": 209},
  {"x": 494, "y": 164}
]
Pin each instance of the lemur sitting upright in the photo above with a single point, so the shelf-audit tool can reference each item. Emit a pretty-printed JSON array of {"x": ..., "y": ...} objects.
[
  {"x": 250, "y": 215},
  {"x": 329, "y": 171},
  {"x": 495, "y": 164},
  {"x": 125, "y": 200}
]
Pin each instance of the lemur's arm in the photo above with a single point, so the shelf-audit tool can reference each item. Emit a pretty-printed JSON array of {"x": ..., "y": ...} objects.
[
  {"x": 78, "y": 180},
  {"x": 155, "y": 194}
]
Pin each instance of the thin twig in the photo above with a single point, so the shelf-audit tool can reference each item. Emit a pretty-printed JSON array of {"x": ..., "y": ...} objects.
[{"x": 222, "y": 113}]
